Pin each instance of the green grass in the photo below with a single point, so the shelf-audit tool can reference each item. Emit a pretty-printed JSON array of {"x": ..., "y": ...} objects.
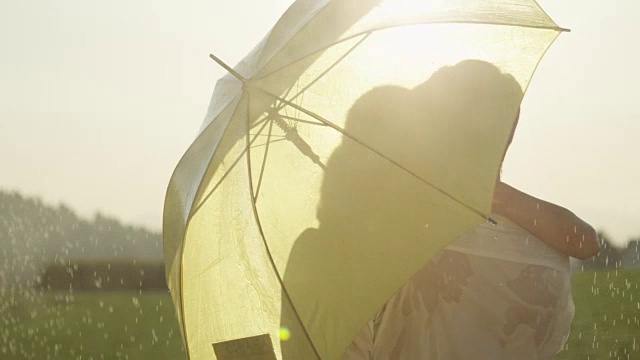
[
  {"x": 89, "y": 325},
  {"x": 607, "y": 320},
  {"x": 130, "y": 325}
]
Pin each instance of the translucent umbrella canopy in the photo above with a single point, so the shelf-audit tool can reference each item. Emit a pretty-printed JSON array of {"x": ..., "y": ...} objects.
[{"x": 347, "y": 149}]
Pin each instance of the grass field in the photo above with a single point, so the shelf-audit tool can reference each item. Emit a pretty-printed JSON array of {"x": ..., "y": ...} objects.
[
  {"x": 607, "y": 320},
  {"x": 89, "y": 325},
  {"x": 129, "y": 325}
]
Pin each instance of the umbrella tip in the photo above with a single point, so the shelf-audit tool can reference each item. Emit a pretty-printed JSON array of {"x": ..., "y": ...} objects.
[{"x": 228, "y": 68}]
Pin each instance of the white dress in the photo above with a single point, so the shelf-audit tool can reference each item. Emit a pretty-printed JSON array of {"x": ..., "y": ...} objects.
[{"x": 496, "y": 293}]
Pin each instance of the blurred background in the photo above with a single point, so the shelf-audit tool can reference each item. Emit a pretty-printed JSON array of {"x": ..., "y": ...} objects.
[{"x": 99, "y": 100}]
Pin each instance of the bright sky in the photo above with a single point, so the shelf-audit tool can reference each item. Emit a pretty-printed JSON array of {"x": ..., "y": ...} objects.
[{"x": 99, "y": 100}]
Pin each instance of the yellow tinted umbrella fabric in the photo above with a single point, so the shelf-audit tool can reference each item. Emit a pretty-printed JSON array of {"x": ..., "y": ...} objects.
[{"x": 347, "y": 149}]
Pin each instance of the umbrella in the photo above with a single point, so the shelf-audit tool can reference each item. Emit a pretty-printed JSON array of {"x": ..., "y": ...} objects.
[{"x": 347, "y": 149}]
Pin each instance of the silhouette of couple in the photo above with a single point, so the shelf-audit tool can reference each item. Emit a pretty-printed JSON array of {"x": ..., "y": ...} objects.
[{"x": 496, "y": 292}]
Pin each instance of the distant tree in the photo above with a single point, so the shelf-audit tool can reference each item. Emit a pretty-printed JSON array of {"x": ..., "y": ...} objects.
[
  {"x": 610, "y": 256},
  {"x": 34, "y": 235},
  {"x": 631, "y": 254}
]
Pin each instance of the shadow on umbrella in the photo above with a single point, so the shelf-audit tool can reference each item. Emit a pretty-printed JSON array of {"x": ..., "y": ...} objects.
[{"x": 368, "y": 200}]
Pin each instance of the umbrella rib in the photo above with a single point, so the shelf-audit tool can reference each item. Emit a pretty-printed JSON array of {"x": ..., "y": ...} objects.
[
  {"x": 272, "y": 142},
  {"x": 279, "y": 137},
  {"x": 264, "y": 159},
  {"x": 264, "y": 239},
  {"x": 259, "y": 122},
  {"x": 302, "y": 121},
  {"x": 233, "y": 165},
  {"x": 345, "y": 133},
  {"x": 286, "y": 93}
]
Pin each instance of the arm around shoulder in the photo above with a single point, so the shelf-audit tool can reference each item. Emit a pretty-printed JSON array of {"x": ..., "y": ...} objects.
[{"x": 552, "y": 224}]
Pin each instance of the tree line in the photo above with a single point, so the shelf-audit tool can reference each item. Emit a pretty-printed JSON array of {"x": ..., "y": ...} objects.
[
  {"x": 34, "y": 235},
  {"x": 611, "y": 256}
]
